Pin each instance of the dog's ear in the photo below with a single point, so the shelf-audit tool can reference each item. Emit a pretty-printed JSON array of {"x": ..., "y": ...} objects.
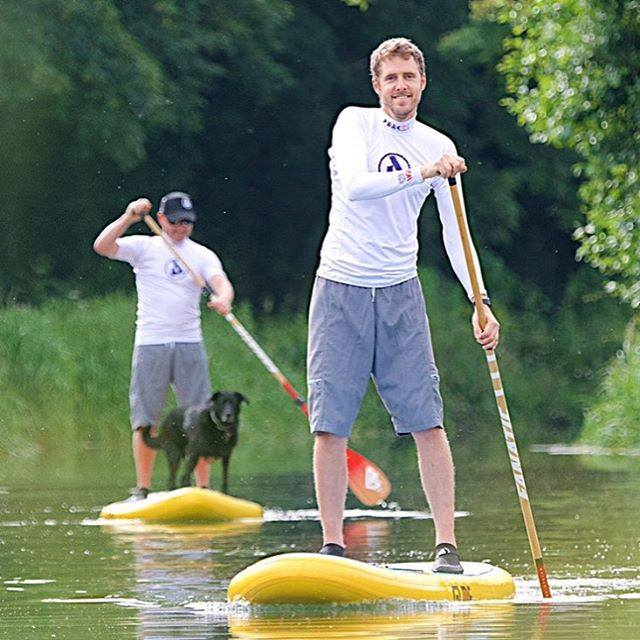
[
  {"x": 215, "y": 396},
  {"x": 241, "y": 398}
]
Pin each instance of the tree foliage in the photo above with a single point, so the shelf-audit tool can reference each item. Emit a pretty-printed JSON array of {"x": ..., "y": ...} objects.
[
  {"x": 105, "y": 100},
  {"x": 572, "y": 69},
  {"x": 116, "y": 71},
  {"x": 102, "y": 101}
]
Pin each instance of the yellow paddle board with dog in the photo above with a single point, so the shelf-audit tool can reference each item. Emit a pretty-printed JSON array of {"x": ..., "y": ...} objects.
[
  {"x": 313, "y": 578},
  {"x": 188, "y": 503}
]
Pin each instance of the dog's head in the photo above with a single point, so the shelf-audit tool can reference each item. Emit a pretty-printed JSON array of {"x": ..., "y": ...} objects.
[{"x": 224, "y": 409}]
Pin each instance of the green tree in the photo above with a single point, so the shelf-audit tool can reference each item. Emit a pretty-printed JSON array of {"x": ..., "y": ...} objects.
[
  {"x": 572, "y": 69},
  {"x": 97, "y": 93}
]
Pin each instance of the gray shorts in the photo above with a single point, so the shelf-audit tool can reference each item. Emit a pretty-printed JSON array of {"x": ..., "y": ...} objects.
[
  {"x": 155, "y": 367},
  {"x": 358, "y": 332}
]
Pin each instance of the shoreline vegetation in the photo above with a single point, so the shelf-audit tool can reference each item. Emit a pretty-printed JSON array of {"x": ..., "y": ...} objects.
[
  {"x": 64, "y": 371},
  {"x": 612, "y": 420},
  {"x": 550, "y": 140}
]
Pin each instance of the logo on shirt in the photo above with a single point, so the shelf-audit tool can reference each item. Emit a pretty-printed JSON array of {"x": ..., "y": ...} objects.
[
  {"x": 398, "y": 126},
  {"x": 173, "y": 269},
  {"x": 394, "y": 162},
  {"x": 407, "y": 176}
]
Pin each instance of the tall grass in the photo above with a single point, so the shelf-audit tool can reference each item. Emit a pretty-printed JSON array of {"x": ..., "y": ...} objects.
[
  {"x": 64, "y": 377},
  {"x": 63, "y": 370}
]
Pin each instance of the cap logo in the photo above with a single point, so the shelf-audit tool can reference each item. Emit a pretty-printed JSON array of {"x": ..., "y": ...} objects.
[{"x": 186, "y": 203}]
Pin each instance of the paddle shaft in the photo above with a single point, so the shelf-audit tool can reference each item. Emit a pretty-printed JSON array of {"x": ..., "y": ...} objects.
[
  {"x": 501, "y": 401},
  {"x": 247, "y": 338},
  {"x": 366, "y": 480}
]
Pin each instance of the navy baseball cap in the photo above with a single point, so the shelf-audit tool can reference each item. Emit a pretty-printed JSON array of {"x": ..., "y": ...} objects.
[{"x": 178, "y": 206}]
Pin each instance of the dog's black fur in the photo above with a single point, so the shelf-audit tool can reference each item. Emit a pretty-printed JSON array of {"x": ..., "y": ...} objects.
[{"x": 196, "y": 432}]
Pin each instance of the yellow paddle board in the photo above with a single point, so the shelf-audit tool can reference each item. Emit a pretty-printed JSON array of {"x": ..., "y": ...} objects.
[
  {"x": 188, "y": 503},
  {"x": 312, "y": 578}
]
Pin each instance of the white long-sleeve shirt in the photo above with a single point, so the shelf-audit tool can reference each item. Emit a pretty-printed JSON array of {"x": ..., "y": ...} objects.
[{"x": 377, "y": 195}]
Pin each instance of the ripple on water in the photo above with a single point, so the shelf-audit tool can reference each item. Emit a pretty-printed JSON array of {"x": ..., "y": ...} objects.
[
  {"x": 300, "y": 515},
  {"x": 578, "y": 590},
  {"x": 278, "y": 515},
  {"x": 390, "y": 619},
  {"x": 123, "y": 602},
  {"x": 582, "y": 450},
  {"x": 241, "y": 609},
  {"x": 29, "y": 581}
]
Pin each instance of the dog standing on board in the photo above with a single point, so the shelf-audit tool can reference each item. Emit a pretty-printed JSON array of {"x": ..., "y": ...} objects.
[{"x": 191, "y": 433}]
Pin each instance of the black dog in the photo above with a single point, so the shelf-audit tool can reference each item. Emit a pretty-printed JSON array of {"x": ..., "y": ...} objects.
[{"x": 196, "y": 432}]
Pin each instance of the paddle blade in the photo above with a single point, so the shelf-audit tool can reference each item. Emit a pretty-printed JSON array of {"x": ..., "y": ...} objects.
[{"x": 366, "y": 480}]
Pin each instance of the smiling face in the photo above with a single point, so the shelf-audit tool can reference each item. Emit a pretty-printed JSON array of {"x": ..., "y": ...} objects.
[{"x": 399, "y": 85}]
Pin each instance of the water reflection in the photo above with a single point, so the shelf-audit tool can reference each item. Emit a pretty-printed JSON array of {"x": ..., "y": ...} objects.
[
  {"x": 447, "y": 621},
  {"x": 175, "y": 564},
  {"x": 364, "y": 537}
]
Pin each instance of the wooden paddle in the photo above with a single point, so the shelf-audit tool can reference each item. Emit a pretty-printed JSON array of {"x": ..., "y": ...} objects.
[
  {"x": 501, "y": 401},
  {"x": 366, "y": 480}
]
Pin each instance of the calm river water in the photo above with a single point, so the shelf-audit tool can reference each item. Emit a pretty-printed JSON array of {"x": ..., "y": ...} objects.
[{"x": 63, "y": 574}]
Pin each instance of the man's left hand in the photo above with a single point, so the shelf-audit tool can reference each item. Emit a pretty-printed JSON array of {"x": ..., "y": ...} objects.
[
  {"x": 219, "y": 305},
  {"x": 490, "y": 335}
]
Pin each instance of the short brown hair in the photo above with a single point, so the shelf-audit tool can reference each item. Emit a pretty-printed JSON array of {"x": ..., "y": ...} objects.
[{"x": 402, "y": 47}]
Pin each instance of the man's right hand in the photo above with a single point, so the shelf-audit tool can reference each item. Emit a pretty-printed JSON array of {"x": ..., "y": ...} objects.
[
  {"x": 446, "y": 167},
  {"x": 138, "y": 209}
]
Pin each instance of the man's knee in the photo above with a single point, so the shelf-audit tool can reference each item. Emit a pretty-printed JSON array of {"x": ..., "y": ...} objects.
[
  {"x": 325, "y": 441},
  {"x": 430, "y": 435},
  {"x": 327, "y": 436}
]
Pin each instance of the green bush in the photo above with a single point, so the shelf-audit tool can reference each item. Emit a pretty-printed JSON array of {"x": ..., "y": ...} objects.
[{"x": 613, "y": 420}]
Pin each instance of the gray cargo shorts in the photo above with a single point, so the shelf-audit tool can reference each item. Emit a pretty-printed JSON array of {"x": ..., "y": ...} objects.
[
  {"x": 155, "y": 367},
  {"x": 358, "y": 332}
]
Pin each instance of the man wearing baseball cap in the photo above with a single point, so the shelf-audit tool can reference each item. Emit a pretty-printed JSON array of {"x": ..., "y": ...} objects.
[{"x": 168, "y": 348}]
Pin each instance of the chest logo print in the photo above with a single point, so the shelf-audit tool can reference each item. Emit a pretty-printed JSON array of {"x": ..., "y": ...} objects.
[
  {"x": 173, "y": 269},
  {"x": 396, "y": 162},
  {"x": 393, "y": 162}
]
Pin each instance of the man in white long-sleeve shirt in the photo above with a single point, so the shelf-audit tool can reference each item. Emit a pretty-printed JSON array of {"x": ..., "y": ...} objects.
[{"x": 367, "y": 315}]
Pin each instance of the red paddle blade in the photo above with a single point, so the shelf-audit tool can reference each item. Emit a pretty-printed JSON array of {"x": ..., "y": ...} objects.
[{"x": 366, "y": 480}]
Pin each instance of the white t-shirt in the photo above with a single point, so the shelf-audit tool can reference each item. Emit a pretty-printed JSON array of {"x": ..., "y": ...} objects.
[
  {"x": 377, "y": 194},
  {"x": 168, "y": 298}
]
